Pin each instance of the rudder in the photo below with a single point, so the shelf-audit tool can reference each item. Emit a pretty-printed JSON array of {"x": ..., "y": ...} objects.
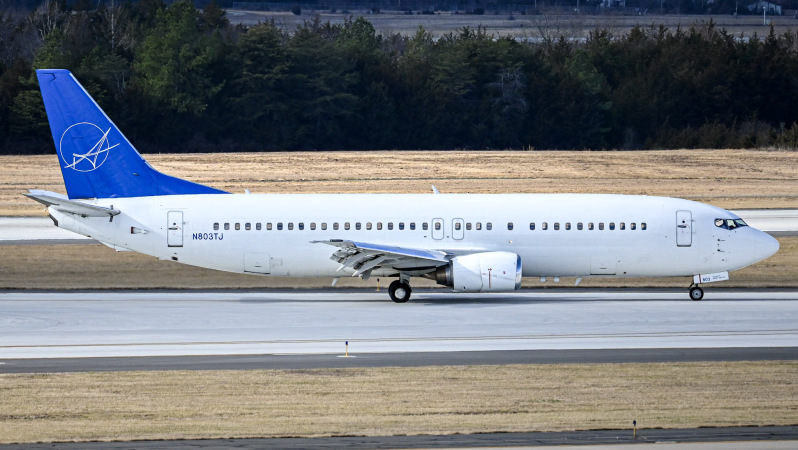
[{"x": 97, "y": 160}]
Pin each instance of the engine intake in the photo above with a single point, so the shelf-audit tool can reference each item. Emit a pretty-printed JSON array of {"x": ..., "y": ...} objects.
[{"x": 482, "y": 272}]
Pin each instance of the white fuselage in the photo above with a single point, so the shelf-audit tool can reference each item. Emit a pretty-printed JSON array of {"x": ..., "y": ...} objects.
[{"x": 624, "y": 236}]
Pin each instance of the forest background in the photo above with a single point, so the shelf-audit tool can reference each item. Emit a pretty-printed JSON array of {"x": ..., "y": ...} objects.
[{"x": 180, "y": 79}]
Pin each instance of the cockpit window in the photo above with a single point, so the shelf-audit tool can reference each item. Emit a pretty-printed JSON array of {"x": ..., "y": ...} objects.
[{"x": 730, "y": 224}]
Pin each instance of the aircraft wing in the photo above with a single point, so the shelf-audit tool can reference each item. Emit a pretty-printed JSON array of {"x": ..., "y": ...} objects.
[
  {"x": 60, "y": 202},
  {"x": 363, "y": 257}
]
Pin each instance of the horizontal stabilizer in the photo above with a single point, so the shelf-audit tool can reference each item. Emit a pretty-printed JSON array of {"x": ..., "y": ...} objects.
[{"x": 61, "y": 203}]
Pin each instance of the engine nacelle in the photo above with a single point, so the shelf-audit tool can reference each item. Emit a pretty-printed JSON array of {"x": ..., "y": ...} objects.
[{"x": 482, "y": 272}]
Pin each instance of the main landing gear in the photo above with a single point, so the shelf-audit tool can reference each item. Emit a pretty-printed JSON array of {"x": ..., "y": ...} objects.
[
  {"x": 400, "y": 291},
  {"x": 696, "y": 293}
]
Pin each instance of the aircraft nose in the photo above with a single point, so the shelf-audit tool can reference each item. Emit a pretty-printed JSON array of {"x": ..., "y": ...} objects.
[{"x": 766, "y": 246}]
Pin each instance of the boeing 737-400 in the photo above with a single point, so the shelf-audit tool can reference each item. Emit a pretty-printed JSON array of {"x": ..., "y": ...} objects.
[{"x": 469, "y": 242}]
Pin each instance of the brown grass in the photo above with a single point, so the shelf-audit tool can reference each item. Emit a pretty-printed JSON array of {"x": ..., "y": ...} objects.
[
  {"x": 726, "y": 178},
  {"x": 65, "y": 266},
  {"x": 391, "y": 401}
]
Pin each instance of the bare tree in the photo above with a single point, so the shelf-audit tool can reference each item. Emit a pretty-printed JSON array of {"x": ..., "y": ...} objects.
[
  {"x": 115, "y": 26},
  {"x": 47, "y": 18}
]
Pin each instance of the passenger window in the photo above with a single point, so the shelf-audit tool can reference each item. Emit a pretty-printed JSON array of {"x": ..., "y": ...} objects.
[
  {"x": 279, "y": 226},
  {"x": 368, "y": 225},
  {"x": 226, "y": 226},
  {"x": 357, "y": 225},
  {"x": 401, "y": 225},
  {"x": 390, "y": 225},
  {"x": 643, "y": 226},
  {"x": 632, "y": 226},
  {"x": 379, "y": 225},
  {"x": 532, "y": 226},
  {"x": 269, "y": 226},
  {"x": 544, "y": 226},
  {"x": 458, "y": 226},
  {"x": 590, "y": 226},
  {"x": 567, "y": 225},
  {"x": 510, "y": 226},
  {"x": 621, "y": 226},
  {"x": 312, "y": 225},
  {"x": 216, "y": 226},
  {"x": 612, "y": 225},
  {"x": 412, "y": 225},
  {"x": 425, "y": 226},
  {"x": 290, "y": 225},
  {"x": 601, "y": 225},
  {"x": 335, "y": 225},
  {"x": 301, "y": 225},
  {"x": 324, "y": 225},
  {"x": 346, "y": 225},
  {"x": 556, "y": 226},
  {"x": 257, "y": 226},
  {"x": 579, "y": 226},
  {"x": 238, "y": 226},
  {"x": 479, "y": 225},
  {"x": 437, "y": 226},
  {"x": 468, "y": 226},
  {"x": 489, "y": 226},
  {"x": 247, "y": 226}
]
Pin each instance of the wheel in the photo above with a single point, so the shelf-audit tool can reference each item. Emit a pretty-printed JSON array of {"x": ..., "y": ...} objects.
[
  {"x": 696, "y": 293},
  {"x": 399, "y": 292}
]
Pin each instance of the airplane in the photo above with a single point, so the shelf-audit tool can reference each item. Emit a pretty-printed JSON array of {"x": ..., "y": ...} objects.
[{"x": 468, "y": 242}]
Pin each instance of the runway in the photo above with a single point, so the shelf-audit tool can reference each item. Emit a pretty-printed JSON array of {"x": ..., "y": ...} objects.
[{"x": 125, "y": 324}]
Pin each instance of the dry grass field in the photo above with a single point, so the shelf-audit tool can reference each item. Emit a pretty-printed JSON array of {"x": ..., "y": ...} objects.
[
  {"x": 726, "y": 178},
  {"x": 393, "y": 401}
]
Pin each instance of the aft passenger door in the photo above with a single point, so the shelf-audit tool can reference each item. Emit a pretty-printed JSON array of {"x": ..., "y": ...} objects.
[
  {"x": 684, "y": 228},
  {"x": 174, "y": 228}
]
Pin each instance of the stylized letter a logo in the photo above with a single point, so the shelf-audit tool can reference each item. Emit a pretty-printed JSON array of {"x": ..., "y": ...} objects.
[{"x": 84, "y": 147}]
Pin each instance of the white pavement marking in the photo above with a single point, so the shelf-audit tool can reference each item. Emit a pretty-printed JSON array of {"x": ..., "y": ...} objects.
[
  {"x": 770, "y": 219},
  {"x": 49, "y": 325},
  {"x": 33, "y": 228}
]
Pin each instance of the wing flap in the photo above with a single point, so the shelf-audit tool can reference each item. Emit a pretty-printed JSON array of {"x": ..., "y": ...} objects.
[
  {"x": 363, "y": 257},
  {"x": 61, "y": 203}
]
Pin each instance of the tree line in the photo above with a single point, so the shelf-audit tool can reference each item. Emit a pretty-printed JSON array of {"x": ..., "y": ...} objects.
[{"x": 177, "y": 79}]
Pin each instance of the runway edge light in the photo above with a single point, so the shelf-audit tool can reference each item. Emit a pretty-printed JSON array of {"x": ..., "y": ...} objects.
[{"x": 347, "y": 355}]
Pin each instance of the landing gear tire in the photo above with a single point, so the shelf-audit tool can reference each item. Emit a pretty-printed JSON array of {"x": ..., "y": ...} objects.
[
  {"x": 399, "y": 292},
  {"x": 696, "y": 293}
]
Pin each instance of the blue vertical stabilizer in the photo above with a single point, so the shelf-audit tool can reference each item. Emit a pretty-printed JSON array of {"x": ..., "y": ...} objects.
[{"x": 97, "y": 160}]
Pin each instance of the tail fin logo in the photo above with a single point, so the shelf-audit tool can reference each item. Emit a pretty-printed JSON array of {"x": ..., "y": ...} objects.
[{"x": 84, "y": 147}]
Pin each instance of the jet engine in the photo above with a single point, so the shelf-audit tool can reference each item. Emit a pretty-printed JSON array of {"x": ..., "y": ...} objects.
[{"x": 482, "y": 272}]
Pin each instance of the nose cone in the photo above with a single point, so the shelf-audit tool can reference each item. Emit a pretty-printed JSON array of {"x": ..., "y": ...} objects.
[{"x": 766, "y": 246}]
